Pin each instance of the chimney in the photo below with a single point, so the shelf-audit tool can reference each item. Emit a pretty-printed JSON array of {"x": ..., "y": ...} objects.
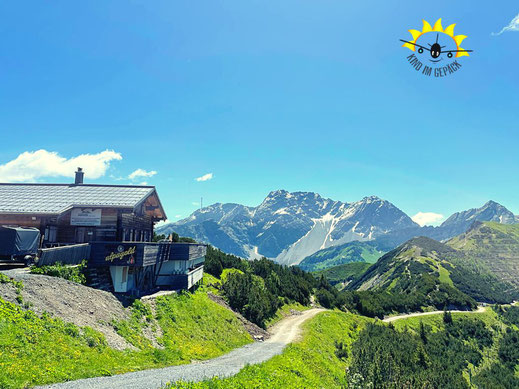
[{"x": 79, "y": 176}]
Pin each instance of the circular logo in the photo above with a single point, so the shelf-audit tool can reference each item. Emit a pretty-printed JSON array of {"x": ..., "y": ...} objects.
[
  {"x": 436, "y": 49},
  {"x": 120, "y": 248}
]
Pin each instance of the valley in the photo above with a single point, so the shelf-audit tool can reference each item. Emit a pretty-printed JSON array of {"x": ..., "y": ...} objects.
[{"x": 423, "y": 289}]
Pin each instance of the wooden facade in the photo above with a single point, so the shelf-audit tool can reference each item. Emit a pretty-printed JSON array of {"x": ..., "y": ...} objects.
[
  {"x": 78, "y": 213},
  {"x": 115, "y": 225}
]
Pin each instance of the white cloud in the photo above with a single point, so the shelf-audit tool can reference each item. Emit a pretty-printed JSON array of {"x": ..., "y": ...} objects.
[
  {"x": 178, "y": 216},
  {"x": 205, "y": 177},
  {"x": 29, "y": 166},
  {"x": 427, "y": 218},
  {"x": 195, "y": 203},
  {"x": 161, "y": 223},
  {"x": 512, "y": 26},
  {"x": 139, "y": 173}
]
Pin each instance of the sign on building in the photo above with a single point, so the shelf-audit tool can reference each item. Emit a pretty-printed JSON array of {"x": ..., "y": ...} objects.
[{"x": 85, "y": 217}]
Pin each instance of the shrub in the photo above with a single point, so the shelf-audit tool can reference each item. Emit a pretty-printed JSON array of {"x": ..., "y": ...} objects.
[{"x": 72, "y": 273}]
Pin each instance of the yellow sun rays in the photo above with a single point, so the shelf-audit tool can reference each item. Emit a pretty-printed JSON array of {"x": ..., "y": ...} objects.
[{"x": 437, "y": 28}]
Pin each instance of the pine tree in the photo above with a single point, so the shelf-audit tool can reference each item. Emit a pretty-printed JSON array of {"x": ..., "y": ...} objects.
[{"x": 423, "y": 333}]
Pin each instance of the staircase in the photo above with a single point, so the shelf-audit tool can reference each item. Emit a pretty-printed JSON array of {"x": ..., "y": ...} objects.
[{"x": 99, "y": 278}]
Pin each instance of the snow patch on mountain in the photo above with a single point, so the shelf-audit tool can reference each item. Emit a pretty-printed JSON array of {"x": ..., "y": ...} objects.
[{"x": 288, "y": 227}]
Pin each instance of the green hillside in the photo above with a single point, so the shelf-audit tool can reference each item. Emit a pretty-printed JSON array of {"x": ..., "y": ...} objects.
[
  {"x": 318, "y": 361},
  {"x": 349, "y": 252},
  {"x": 433, "y": 270},
  {"x": 38, "y": 350},
  {"x": 491, "y": 247},
  {"x": 338, "y": 350},
  {"x": 417, "y": 269},
  {"x": 342, "y": 275}
]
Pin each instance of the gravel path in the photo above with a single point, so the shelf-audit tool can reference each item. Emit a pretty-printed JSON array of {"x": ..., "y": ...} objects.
[
  {"x": 394, "y": 318},
  {"x": 283, "y": 333}
]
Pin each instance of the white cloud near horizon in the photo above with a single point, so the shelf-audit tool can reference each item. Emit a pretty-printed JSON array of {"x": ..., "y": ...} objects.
[
  {"x": 427, "y": 218},
  {"x": 139, "y": 173},
  {"x": 205, "y": 177},
  {"x": 161, "y": 223},
  {"x": 512, "y": 26},
  {"x": 30, "y": 166}
]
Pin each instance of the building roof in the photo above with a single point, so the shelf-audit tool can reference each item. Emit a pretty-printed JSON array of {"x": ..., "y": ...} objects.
[{"x": 58, "y": 198}]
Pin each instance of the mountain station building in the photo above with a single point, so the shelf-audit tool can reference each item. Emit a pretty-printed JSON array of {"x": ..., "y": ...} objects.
[
  {"x": 109, "y": 225},
  {"x": 82, "y": 213}
]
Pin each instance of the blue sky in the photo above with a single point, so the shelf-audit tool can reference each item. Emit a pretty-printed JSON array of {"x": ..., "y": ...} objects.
[{"x": 263, "y": 95}]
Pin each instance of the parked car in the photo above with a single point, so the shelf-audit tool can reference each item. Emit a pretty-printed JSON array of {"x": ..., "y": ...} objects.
[{"x": 19, "y": 244}]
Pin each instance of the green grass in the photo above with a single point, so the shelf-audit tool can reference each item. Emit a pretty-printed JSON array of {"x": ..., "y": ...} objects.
[
  {"x": 310, "y": 363},
  {"x": 445, "y": 275},
  {"x": 285, "y": 311},
  {"x": 7, "y": 280},
  {"x": 38, "y": 350},
  {"x": 340, "y": 274},
  {"x": 489, "y": 317},
  {"x": 226, "y": 272},
  {"x": 509, "y": 229},
  {"x": 338, "y": 255},
  {"x": 211, "y": 284},
  {"x": 193, "y": 326}
]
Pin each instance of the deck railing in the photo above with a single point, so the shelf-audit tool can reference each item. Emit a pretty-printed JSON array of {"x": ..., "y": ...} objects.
[{"x": 67, "y": 255}]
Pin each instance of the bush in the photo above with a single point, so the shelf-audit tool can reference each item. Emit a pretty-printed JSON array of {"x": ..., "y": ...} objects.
[
  {"x": 71, "y": 273},
  {"x": 325, "y": 298}
]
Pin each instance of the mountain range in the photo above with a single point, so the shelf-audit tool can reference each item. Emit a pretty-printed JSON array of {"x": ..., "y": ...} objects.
[{"x": 289, "y": 227}]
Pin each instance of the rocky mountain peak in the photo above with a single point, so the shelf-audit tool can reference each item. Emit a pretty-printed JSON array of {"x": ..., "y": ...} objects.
[{"x": 289, "y": 226}]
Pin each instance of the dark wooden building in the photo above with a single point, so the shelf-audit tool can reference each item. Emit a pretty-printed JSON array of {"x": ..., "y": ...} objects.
[{"x": 82, "y": 213}]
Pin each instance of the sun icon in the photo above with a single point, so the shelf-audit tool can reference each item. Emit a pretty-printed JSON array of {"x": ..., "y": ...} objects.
[{"x": 434, "y": 37}]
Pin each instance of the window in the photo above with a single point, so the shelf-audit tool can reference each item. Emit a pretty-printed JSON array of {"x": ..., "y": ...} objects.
[
  {"x": 51, "y": 233},
  {"x": 106, "y": 234}
]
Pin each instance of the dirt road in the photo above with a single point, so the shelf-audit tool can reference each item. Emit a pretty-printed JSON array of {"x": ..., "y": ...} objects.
[
  {"x": 283, "y": 333},
  {"x": 394, "y": 318}
]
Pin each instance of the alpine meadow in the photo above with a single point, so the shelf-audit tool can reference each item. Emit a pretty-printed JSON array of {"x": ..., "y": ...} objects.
[{"x": 261, "y": 194}]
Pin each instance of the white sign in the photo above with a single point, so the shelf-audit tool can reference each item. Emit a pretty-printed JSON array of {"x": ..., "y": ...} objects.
[{"x": 85, "y": 217}]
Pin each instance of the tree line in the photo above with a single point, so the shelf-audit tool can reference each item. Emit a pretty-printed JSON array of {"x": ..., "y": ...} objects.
[
  {"x": 261, "y": 286},
  {"x": 383, "y": 357}
]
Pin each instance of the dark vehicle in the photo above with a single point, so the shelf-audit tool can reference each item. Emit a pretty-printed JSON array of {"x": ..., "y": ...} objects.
[{"x": 19, "y": 244}]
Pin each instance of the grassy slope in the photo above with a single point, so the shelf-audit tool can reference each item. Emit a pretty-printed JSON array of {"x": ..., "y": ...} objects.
[
  {"x": 345, "y": 272},
  {"x": 285, "y": 311},
  {"x": 405, "y": 266},
  {"x": 40, "y": 350},
  {"x": 436, "y": 321},
  {"x": 338, "y": 255},
  {"x": 423, "y": 259},
  {"x": 311, "y": 363},
  {"x": 492, "y": 247}
]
